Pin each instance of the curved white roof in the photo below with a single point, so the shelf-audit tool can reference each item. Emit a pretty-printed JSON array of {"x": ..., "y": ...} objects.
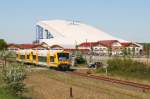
[{"x": 69, "y": 33}]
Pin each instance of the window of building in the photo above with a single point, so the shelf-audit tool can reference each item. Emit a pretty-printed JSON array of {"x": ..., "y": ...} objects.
[
  {"x": 95, "y": 48},
  {"x": 39, "y": 32},
  {"x": 104, "y": 48},
  {"x": 48, "y": 34}
]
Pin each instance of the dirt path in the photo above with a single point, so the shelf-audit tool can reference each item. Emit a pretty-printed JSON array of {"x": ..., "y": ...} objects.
[{"x": 41, "y": 86}]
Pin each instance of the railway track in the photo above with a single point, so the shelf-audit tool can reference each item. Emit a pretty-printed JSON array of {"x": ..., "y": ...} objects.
[{"x": 143, "y": 87}]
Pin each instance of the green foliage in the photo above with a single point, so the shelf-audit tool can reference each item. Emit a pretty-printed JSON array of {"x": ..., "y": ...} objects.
[
  {"x": 13, "y": 76},
  {"x": 146, "y": 47},
  {"x": 128, "y": 68},
  {"x": 3, "y": 44},
  {"x": 7, "y": 54},
  {"x": 79, "y": 58},
  {"x": 6, "y": 94}
]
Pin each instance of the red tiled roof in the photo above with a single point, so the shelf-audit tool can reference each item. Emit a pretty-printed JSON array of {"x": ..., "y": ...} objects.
[
  {"x": 35, "y": 46},
  {"x": 76, "y": 50},
  {"x": 88, "y": 44},
  {"x": 107, "y": 43},
  {"x": 26, "y": 46},
  {"x": 125, "y": 44}
]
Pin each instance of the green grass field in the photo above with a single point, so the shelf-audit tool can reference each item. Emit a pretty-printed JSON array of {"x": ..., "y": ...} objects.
[{"x": 4, "y": 94}]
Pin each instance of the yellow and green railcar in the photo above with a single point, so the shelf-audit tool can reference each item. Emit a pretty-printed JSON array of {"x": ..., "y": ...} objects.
[{"x": 49, "y": 58}]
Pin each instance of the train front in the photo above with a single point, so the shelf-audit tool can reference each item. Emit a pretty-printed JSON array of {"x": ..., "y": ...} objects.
[{"x": 64, "y": 60}]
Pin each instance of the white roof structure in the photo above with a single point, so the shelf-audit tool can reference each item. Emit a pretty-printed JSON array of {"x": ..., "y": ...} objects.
[{"x": 70, "y": 33}]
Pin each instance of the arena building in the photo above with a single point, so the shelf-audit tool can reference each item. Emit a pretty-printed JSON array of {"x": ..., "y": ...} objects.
[{"x": 68, "y": 34}]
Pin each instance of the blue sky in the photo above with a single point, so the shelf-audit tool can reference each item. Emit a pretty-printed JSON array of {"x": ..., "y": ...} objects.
[{"x": 127, "y": 19}]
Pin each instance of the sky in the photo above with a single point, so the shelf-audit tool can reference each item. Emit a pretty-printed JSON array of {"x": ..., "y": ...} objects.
[{"x": 126, "y": 19}]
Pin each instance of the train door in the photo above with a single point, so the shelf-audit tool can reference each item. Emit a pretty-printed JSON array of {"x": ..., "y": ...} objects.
[
  {"x": 18, "y": 54},
  {"x": 48, "y": 58},
  {"x": 31, "y": 56},
  {"x": 56, "y": 58},
  {"x": 25, "y": 56}
]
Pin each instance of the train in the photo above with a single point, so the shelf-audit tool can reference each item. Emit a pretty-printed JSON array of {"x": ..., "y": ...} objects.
[{"x": 50, "y": 58}]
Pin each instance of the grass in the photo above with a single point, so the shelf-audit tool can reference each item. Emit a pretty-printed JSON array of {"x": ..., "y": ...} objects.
[
  {"x": 127, "y": 68},
  {"x": 5, "y": 94},
  {"x": 98, "y": 86}
]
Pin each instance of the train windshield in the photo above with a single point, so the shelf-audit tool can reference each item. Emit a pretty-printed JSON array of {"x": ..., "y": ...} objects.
[{"x": 63, "y": 56}]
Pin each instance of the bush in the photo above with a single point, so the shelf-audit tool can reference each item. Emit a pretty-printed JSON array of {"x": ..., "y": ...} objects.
[
  {"x": 13, "y": 76},
  {"x": 79, "y": 58},
  {"x": 128, "y": 68},
  {"x": 5, "y": 94}
]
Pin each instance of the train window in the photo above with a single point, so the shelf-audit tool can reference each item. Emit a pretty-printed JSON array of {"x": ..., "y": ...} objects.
[
  {"x": 63, "y": 56},
  {"x": 51, "y": 58},
  {"x": 27, "y": 56},
  {"x": 42, "y": 59},
  {"x": 34, "y": 57},
  {"x": 22, "y": 56}
]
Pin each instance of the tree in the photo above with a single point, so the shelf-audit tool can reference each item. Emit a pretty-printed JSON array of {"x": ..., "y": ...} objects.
[{"x": 3, "y": 44}]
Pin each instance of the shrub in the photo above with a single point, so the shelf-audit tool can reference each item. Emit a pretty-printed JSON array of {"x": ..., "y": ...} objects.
[
  {"x": 5, "y": 94},
  {"x": 127, "y": 67},
  {"x": 13, "y": 77},
  {"x": 79, "y": 58}
]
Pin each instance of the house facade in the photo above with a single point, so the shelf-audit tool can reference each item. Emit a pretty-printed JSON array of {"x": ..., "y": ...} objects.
[
  {"x": 133, "y": 48},
  {"x": 112, "y": 47}
]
